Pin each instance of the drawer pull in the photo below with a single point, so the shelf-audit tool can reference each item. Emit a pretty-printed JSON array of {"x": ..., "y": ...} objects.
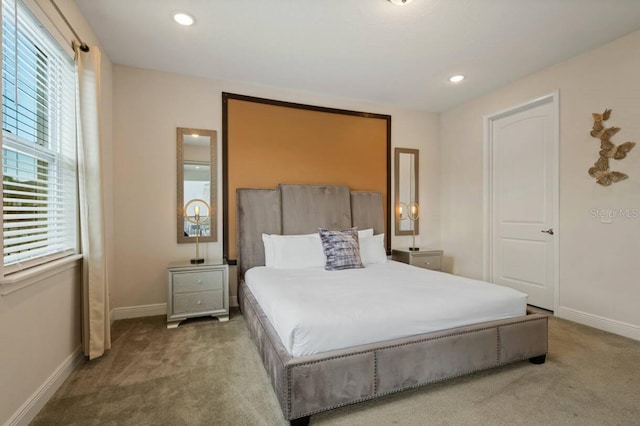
[
  {"x": 199, "y": 282},
  {"x": 199, "y": 302}
]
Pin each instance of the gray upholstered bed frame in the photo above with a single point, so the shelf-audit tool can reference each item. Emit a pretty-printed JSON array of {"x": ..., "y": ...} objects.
[{"x": 311, "y": 384}]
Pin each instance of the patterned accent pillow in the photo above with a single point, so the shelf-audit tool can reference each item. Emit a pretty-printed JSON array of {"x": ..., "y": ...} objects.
[{"x": 341, "y": 248}]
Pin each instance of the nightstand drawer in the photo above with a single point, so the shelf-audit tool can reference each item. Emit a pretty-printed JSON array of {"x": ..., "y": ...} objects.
[
  {"x": 198, "y": 302},
  {"x": 425, "y": 258},
  {"x": 184, "y": 282},
  {"x": 426, "y": 261}
]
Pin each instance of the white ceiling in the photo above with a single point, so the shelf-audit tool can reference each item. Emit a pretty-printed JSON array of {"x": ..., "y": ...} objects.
[{"x": 369, "y": 50}]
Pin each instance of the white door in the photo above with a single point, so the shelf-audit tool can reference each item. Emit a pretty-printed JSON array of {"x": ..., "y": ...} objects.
[{"x": 523, "y": 193}]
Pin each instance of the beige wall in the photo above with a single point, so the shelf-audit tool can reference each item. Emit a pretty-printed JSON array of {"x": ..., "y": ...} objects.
[
  {"x": 148, "y": 106},
  {"x": 40, "y": 325},
  {"x": 39, "y": 329},
  {"x": 599, "y": 266}
]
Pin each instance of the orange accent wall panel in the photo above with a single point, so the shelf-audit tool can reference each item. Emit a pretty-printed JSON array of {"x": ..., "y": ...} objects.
[{"x": 271, "y": 144}]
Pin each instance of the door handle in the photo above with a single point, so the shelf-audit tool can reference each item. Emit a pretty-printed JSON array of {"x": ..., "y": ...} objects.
[{"x": 548, "y": 231}]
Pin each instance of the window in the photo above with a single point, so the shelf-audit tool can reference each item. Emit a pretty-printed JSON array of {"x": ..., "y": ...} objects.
[{"x": 39, "y": 212}]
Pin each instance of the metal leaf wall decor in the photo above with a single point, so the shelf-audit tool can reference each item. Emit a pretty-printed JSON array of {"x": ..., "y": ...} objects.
[{"x": 608, "y": 150}]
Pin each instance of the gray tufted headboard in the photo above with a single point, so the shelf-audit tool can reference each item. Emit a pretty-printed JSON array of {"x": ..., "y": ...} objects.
[{"x": 300, "y": 209}]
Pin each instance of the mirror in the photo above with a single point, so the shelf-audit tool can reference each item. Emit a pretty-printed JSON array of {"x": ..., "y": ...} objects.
[
  {"x": 196, "y": 180},
  {"x": 406, "y": 190}
]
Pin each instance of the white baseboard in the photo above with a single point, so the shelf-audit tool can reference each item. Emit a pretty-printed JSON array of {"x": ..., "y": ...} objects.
[
  {"x": 138, "y": 311},
  {"x": 39, "y": 398},
  {"x": 149, "y": 310},
  {"x": 607, "y": 324}
]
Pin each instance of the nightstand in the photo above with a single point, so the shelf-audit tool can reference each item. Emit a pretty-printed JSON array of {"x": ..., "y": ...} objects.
[
  {"x": 197, "y": 290},
  {"x": 428, "y": 259}
]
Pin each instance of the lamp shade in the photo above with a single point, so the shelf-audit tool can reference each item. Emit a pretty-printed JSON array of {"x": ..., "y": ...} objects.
[
  {"x": 403, "y": 209},
  {"x": 199, "y": 212},
  {"x": 413, "y": 211}
]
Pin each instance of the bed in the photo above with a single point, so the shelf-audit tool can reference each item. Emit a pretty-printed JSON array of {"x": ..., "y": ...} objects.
[{"x": 324, "y": 378}]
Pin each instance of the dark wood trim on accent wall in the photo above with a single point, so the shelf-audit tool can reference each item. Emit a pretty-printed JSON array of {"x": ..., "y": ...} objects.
[
  {"x": 225, "y": 147},
  {"x": 391, "y": 212},
  {"x": 225, "y": 179}
]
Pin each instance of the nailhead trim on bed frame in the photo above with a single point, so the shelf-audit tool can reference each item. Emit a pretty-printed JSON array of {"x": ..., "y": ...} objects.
[
  {"x": 375, "y": 373},
  {"x": 257, "y": 311},
  {"x": 498, "y": 345},
  {"x": 441, "y": 379}
]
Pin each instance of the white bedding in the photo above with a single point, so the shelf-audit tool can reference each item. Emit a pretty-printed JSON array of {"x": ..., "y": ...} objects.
[{"x": 314, "y": 310}]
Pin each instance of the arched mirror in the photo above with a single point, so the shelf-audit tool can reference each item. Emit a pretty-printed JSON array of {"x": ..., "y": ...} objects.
[
  {"x": 196, "y": 180},
  {"x": 406, "y": 191}
]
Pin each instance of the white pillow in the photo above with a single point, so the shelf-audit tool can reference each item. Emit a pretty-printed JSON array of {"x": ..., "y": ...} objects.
[
  {"x": 268, "y": 250},
  {"x": 299, "y": 251},
  {"x": 372, "y": 249},
  {"x": 362, "y": 233},
  {"x": 293, "y": 251}
]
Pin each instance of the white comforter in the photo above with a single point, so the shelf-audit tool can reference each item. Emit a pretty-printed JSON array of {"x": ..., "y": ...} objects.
[{"x": 314, "y": 310}]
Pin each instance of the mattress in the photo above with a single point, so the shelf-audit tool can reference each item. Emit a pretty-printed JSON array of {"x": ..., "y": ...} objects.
[{"x": 313, "y": 310}]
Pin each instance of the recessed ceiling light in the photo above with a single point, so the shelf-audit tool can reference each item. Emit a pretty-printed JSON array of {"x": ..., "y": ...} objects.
[
  {"x": 183, "y": 19},
  {"x": 400, "y": 2},
  {"x": 456, "y": 78}
]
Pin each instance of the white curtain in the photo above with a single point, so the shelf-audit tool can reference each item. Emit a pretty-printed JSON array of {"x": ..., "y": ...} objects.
[{"x": 96, "y": 332}]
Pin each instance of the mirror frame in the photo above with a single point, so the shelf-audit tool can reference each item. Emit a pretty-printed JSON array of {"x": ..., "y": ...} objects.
[
  {"x": 213, "y": 180},
  {"x": 396, "y": 177}
]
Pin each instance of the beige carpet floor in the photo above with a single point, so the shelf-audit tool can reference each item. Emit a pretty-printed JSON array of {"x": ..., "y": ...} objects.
[{"x": 209, "y": 373}]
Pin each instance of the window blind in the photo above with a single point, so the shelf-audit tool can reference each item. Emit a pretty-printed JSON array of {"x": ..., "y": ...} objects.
[{"x": 38, "y": 143}]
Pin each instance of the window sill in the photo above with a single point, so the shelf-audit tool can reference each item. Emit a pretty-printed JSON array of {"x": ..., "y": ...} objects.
[{"x": 15, "y": 282}]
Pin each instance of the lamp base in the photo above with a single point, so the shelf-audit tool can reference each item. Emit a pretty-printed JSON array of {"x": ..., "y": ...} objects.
[
  {"x": 197, "y": 261},
  {"x": 414, "y": 248}
]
